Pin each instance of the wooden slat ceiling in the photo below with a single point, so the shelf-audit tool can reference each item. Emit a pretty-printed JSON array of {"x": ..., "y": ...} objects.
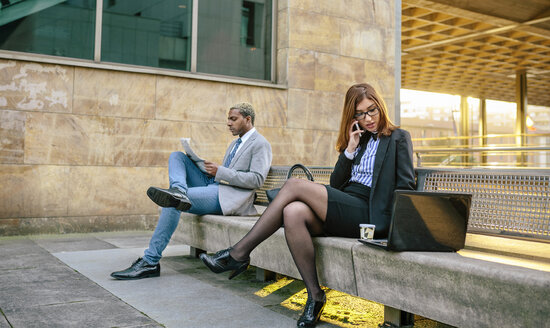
[{"x": 475, "y": 48}]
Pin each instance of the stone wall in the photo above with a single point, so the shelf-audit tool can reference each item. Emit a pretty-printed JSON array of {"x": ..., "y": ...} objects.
[{"x": 79, "y": 146}]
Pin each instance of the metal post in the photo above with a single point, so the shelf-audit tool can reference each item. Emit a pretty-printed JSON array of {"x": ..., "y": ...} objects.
[
  {"x": 397, "y": 63},
  {"x": 194, "y": 34},
  {"x": 98, "y": 30},
  {"x": 274, "y": 24},
  {"x": 483, "y": 127},
  {"x": 521, "y": 112},
  {"x": 465, "y": 127},
  {"x": 396, "y": 318}
]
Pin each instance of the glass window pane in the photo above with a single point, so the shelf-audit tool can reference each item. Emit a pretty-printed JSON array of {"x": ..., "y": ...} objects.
[
  {"x": 429, "y": 114},
  {"x": 501, "y": 117},
  {"x": 147, "y": 33},
  {"x": 234, "y": 38},
  {"x": 50, "y": 27}
]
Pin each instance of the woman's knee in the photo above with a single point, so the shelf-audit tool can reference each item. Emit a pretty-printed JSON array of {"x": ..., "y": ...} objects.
[
  {"x": 296, "y": 185},
  {"x": 296, "y": 213}
]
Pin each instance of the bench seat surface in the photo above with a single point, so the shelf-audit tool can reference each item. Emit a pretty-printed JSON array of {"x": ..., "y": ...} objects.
[{"x": 454, "y": 288}]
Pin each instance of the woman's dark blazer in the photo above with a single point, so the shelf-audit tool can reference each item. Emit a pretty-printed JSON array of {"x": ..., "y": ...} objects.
[{"x": 393, "y": 169}]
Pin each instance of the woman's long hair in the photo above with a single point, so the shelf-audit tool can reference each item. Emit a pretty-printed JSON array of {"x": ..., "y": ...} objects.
[{"x": 356, "y": 94}]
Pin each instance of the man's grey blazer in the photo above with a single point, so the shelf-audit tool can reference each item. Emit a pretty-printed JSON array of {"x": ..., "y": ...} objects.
[{"x": 247, "y": 172}]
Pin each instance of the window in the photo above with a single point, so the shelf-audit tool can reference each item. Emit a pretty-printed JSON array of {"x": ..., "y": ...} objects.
[
  {"x": 50, "y": 27},
  {"x": 147, "y": 33},
  {"x": 233, "y": 36}
]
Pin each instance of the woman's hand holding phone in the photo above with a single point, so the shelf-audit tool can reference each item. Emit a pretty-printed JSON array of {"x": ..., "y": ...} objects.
[
  {"x": 355, "y": 134},
  {"x": 356, "y": 127}
]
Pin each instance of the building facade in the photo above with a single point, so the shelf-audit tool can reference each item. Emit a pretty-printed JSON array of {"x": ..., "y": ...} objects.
[{"x": 85, "y": 131}]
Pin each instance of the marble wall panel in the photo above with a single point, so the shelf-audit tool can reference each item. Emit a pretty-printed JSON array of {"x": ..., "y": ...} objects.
[
  {"x": 181, "y": 99},
  {"x": 107, "y": 190},
  {"x": 324, "y": 7},
  {"x": 315, "y": 110},
  {"x": 309, "y": 147},
  {"x": 324, "y": 151},
  {"x": 385, "y": 13},
  {"x": 147, "y": 142},
  {"x": 12, "y": 136},
  {"x": 337, "y": 74},
  {"x": 282, "y": 4},
  {"x": 388, "y": 37},
  {"x": 210, "y": 141},
  {"x": 35, "y": 86},
  {"x": 79, "y": 224},
  {"x": 358, "y": 10},
  {"x": 310, "y": 31},
  {"x": 381, "y": 76},
  {"x": 269, "y": 104},
  {"x": 114, "y": 93},
  {"x": 33, "y": 190},
  {"x": 92, "y": 140},
  {"x": 361, "y": 10},
  {"x": 282, "y": 29},
  {"x": 69, "y": 139},
  {"x": 290, "y": 146},
  {"x": 282, "y": 66},
  {"x": 302, "y": 65},
  {"x": 362, "y": 40}
]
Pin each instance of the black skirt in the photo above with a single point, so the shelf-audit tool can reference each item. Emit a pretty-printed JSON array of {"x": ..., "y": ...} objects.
[{"x": 347, "y": 209}]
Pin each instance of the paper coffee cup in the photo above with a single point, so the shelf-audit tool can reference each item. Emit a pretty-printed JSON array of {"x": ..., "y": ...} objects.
[{"x": 366, "y": 231}]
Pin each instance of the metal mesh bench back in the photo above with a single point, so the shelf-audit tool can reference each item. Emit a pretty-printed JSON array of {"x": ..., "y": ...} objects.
[
  {"x": 277, "y": 177},
  {"x": 509, "y": 202}
]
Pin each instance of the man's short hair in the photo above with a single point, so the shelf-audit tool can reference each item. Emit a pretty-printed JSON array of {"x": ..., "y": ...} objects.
[{"x": 245, "y": 109}]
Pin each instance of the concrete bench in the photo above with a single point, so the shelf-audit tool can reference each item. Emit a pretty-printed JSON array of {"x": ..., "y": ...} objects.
[{"x": 494, "y": 282}]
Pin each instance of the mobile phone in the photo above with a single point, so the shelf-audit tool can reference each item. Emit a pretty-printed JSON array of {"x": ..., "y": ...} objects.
[{"x": 356, "y": 127}]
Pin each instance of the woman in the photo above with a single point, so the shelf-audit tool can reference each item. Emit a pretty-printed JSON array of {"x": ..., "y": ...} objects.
[{"x": 375, "y": 159}]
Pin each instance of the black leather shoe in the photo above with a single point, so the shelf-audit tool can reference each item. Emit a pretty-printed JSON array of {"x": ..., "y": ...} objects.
[
  {"x": 312, "y": 312},
  {"x": 138, "y": 270},
  {"x": 172, "y": 197},
  {"x": 222, "y": 261}
]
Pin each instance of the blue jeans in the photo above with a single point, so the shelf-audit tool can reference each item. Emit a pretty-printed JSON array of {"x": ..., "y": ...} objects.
[{"x": 202, "y": 191}]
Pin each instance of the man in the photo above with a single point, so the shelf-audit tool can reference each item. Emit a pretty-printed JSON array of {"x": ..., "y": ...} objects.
[{"x": 227, "y": 189}]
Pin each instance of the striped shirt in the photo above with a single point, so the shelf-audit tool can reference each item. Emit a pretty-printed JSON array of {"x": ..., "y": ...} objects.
[{"x": 362, "y": 172}]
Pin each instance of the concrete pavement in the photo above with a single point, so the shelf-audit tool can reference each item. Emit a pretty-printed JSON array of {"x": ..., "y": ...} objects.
[{"x": 63, "y": 281}]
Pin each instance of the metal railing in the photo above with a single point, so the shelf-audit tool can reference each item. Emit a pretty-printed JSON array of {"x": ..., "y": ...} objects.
[
  {"x": 504, "y": 202},
  {"x": 504, "y": 150}
]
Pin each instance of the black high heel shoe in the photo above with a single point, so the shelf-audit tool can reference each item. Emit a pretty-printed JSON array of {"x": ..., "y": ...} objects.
[
  {"x": 312, "y": 312},
  {"x": 222, "y": 261}
]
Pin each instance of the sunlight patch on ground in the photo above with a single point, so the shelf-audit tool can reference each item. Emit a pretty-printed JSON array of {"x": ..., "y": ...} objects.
[
  {"x": 342, "y": 309},
  {"x": 267, "y": 290}
]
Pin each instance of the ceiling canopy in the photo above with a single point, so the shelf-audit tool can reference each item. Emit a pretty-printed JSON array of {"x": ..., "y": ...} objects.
[{"x": 476, "y": 48}]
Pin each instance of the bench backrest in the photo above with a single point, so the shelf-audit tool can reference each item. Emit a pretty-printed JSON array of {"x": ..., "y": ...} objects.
[
  {"x": 504, "y": 202},
  {"x": 277, "y": 177}
]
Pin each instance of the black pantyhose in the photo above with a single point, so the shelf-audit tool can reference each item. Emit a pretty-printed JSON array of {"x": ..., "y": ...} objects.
[{"x": 299, "y": 205}]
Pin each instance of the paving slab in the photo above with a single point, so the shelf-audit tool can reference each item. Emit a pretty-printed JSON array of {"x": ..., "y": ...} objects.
[
  {"x": 74, "y": 289},
  {"x": 38, "y": 290},
  {"x": 173, "y": 299}
]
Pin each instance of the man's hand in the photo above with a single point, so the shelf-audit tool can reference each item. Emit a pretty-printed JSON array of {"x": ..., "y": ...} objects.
[{"x": 211, "y": 168}]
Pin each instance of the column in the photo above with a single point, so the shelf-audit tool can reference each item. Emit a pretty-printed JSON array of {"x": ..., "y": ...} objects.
[
  {"x": 521, "y": 101},
  {"x": 483, "y": 127},
  {"x": 465, "y": 129}
]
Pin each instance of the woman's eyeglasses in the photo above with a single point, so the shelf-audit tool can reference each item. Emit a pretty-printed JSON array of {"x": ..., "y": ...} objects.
[{"x": 362, "y": 115}]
